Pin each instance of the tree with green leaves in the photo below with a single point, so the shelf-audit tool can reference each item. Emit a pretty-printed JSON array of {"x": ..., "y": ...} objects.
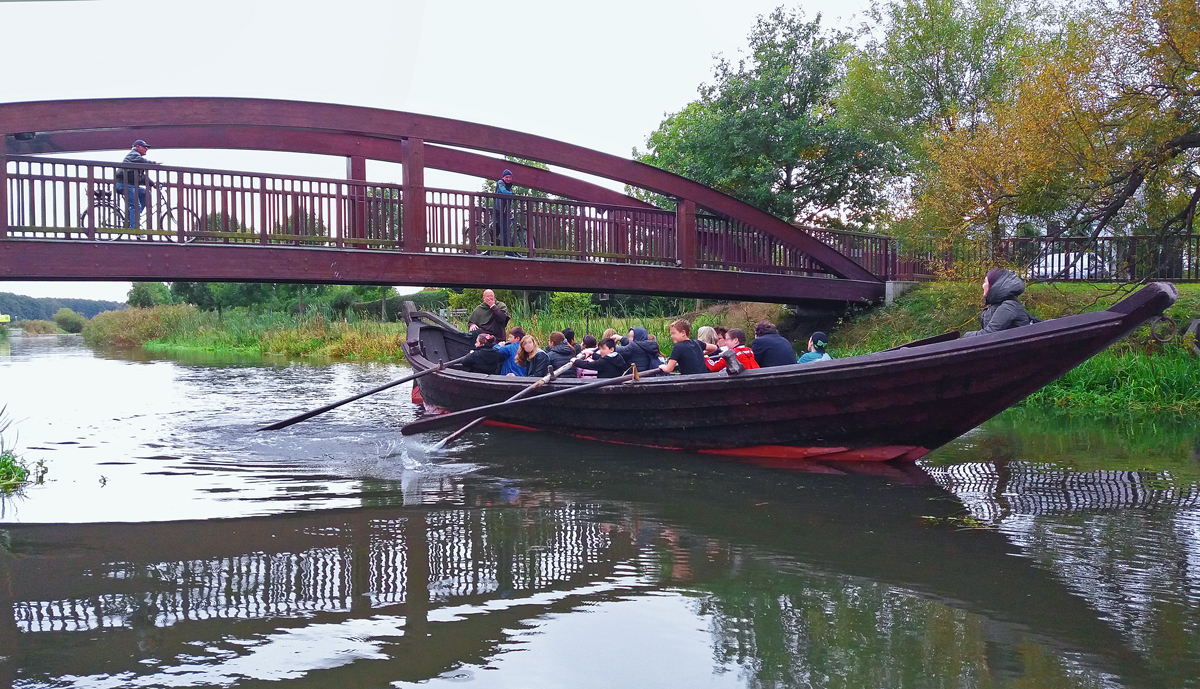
[
  {"x": 929, "y": 68},
  {"x": 767, "y": 130},
  {"x": 147, "y": 295}
]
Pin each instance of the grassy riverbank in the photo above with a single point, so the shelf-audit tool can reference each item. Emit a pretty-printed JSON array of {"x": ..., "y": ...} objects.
[
  {"x": 1135, "y": 375},
  {"x": 184, "y": 327}
]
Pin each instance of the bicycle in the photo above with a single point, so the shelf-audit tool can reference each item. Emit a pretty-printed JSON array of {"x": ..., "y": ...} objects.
[
  {"x": 488, "y": 236},
  {"x": 107, "y": 210}
]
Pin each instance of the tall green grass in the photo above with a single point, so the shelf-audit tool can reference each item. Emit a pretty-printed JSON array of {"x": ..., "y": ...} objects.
[
  {"x": 184, "y": 327},
  {"x": 15, "y": 473}
]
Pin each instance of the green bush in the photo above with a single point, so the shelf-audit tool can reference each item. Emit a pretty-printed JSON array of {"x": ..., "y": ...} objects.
[
  {"x": 432, "y": 300},
  {"x": 572, "y": 304},
  {"x": 69, "y": 321}
]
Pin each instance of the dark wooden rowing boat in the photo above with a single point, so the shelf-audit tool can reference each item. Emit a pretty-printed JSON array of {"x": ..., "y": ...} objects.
[{"x": 898, "y": 404}]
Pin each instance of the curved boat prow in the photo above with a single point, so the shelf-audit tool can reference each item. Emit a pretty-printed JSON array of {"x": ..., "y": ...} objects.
[{"x": 1147, "y": 302}]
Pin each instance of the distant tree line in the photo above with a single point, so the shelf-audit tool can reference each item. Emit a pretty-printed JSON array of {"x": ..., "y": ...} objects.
[{"x": 21, "y": 307}]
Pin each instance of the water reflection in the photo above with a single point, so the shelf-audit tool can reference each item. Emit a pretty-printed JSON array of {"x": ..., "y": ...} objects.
[{"x": 335, "y": 554}]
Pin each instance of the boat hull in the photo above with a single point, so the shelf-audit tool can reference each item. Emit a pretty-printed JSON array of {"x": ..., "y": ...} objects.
[{"x": 891, "y": 405}]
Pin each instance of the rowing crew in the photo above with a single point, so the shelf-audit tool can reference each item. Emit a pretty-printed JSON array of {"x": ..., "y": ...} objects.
[{"x": 611, "y": 357}]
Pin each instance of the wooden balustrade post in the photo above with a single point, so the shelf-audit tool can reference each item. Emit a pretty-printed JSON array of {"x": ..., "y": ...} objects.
[
  {"x": 3, "y": 194},
  {"x": 685, "y": 233},
  {"x": 413, "y": 225},
  {"x": 356, "y": 171}
]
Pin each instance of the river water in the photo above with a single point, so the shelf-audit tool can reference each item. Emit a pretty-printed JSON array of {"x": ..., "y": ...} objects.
[{"x": 174, "y": 546}]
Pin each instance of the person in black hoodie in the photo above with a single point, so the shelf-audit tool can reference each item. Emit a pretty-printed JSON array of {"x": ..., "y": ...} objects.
[
  {"x": 483, "y": 359},
  {"x": 641, "y": 350},
  {"x": 610, "y": 364},
  {"x": 560, "y": 351},
  {"x": 1001, "y": 308}
]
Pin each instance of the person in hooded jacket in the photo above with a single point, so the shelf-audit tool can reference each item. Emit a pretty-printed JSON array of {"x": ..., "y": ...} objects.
[
  {"x": 641, "y": 350},
  {"x": 1001, "y": 309},
  {"x": 560, "y": 351},
  {"x": 483, "y": 359}
]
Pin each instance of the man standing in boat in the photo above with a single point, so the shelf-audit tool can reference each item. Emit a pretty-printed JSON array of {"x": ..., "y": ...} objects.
[{"x": 490, "y": 317}]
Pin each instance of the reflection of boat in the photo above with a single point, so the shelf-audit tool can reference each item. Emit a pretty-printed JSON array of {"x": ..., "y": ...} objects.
[
  {"x": 447, "y": 585},
  {"x": 897, "y": 404}
]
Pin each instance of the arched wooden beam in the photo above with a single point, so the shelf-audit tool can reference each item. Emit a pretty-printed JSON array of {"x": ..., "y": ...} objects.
[
  {"x": 321, "y": 143},
  {"x": 136, "y": 113}
]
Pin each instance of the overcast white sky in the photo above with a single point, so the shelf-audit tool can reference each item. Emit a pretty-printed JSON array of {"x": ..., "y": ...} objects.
[{"x": 598, "y": 74}]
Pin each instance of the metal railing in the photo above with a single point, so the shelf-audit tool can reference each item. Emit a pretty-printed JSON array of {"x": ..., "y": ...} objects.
[{"x": 1056, "y": 259}]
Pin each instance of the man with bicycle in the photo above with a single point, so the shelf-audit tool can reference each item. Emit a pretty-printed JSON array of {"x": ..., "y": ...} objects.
[
  {"x": 132, "y": 182},
  {"x": 503, "y": 208}
]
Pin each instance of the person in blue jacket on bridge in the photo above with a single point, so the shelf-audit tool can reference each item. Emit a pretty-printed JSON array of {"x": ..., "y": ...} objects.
[{"x": 504, "y": 207}]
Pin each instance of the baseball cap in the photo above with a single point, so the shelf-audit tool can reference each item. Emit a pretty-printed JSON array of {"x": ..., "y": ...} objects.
[{"x": 139, "y": 142}]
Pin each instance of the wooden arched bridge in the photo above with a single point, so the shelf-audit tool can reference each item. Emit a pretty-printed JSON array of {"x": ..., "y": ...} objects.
[{"x": 62, "y": 219}]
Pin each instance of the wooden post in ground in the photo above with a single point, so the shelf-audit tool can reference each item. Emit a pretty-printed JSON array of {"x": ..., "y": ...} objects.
[{"x": 412, "y": 154}]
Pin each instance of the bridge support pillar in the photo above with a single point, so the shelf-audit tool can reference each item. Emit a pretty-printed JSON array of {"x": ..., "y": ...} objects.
[
  {"x": 685, "y": 232},
  {"x": 412, "y": 154}
]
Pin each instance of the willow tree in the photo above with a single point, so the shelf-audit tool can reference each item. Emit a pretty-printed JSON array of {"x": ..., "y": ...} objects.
[{"x": 1100, "y": 136}]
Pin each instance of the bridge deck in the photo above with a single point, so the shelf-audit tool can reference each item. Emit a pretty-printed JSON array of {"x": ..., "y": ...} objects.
[{"x": 68, "y": 219}]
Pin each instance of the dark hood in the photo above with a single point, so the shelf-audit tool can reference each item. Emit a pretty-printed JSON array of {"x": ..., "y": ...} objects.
[
  {"x": 1008, "y": 286},
  {"x": 640, "y": 334},
  {"x": 563, "y": 348}
]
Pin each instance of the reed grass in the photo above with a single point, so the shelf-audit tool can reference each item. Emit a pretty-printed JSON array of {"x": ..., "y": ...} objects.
[
  {"x": 184, "y": 327},
  {"x": 37, "y": 327}
]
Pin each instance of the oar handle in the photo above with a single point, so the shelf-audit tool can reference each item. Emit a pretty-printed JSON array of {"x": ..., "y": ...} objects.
[
  {"x": 542, "y": 381},
  {"x": 321, "y": 410}
]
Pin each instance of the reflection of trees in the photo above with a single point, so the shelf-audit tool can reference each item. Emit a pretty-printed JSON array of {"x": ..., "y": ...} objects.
[{"x": 787, "y": 629}]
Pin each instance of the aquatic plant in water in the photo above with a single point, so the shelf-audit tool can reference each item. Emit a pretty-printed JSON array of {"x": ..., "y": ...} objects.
[{"x": 15, "y": 473}]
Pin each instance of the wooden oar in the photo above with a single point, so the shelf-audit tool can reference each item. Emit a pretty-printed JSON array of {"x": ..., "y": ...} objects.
[
  {"x": 541, "y": 381},
  {"x": 309, "y": 414},
  {"x": 944, "y": 337},
  {"x": 437, "y": 422}
]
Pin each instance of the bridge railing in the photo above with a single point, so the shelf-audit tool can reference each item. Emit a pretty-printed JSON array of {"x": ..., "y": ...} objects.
[
  {"x": 1058, "y": 259},
  {"x": 479, "y": 223},
  {"x": 52, "y": 198},
  {"x": 727, "y": 244},
  {"x": 55, "y": 198}
]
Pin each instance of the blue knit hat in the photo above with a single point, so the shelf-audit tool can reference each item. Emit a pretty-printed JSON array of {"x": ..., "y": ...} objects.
[{"x": 506, "y": 173}]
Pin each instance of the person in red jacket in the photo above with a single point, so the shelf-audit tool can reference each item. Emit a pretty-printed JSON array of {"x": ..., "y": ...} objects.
[{"x": 736, "y": 340}]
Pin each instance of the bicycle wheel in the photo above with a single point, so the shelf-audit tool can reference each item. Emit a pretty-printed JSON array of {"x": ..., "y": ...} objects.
[
  {"x": 106, "y": 216},
  {"x": 183, "y": 216}
]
